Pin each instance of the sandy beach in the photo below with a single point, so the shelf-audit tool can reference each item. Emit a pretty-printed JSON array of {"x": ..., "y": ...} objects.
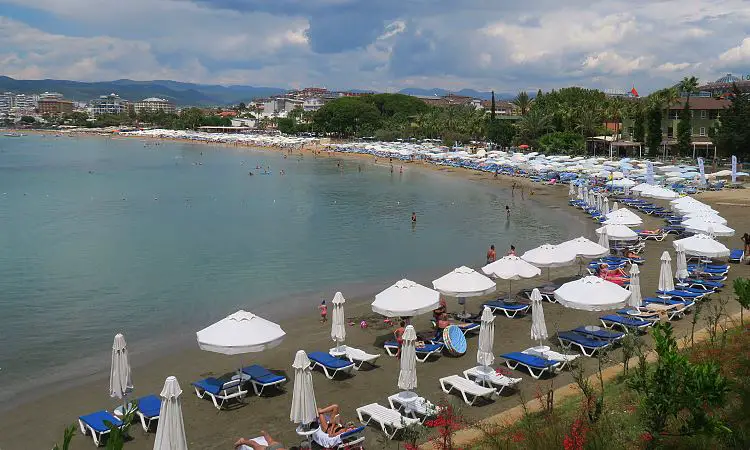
[{"x": 39, "y": 423}]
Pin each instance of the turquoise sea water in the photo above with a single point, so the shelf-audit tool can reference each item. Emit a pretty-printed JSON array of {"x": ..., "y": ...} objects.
[{"x": 102, "y": 235}]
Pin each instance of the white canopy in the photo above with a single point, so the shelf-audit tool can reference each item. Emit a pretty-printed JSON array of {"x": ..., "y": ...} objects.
[
  {"x": 407, "y": 374},
  {"x": 241, "y": 332},
  {"x": 511, "y": 267},
  {"x": 406, "y": 299},
  {"x": 170, "y": 434},
  {"x": 666, "y": 280},
  {"x": 464, "y": 282},
  {"x": 120, "y": 383},
  {"x": 485, "y": 356},
  {"x": 705, "y": 216},
  {"x": 549, "y": 255},
  {"x": 584, "y": 248},
  {"x": 635, "y": 298},
  {"x": 338, "y": 325},
  {"x": 623, "y": 216},
  {"x": 618, "y": 232},
  {"x": 702, "y": 245},
  {"x": 304, "y": 407},
  {"x": 591, "y": 294},
  {"x": 696, "y": 225}
]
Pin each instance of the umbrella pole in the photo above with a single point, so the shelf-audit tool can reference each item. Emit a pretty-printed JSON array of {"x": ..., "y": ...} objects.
[{"x": 510, "y": 289}]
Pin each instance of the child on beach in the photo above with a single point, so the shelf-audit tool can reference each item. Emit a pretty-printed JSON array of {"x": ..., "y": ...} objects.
[{"x": 323, "y": 311}]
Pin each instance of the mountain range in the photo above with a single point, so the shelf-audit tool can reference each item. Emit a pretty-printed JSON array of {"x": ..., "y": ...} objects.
[{"x": 185, "y": 94}]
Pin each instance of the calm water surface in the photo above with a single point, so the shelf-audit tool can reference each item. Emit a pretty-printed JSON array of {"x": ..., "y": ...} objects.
[{"x": 102, "y": 235}]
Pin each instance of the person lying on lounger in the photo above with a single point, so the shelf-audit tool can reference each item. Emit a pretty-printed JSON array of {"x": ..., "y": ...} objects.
[
  {"x": 656, "y": 231},
  {"x": 272, "y": 444},
  {"x": 328, "y": 419}
]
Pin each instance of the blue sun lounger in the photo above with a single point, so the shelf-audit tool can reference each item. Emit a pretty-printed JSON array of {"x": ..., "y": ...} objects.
[
  {"x": 697, "y": 283},
  {"x": 261, "y": 378},
  {"x": 682, "y": 295},
  {"x": 587, "y": 345},
  {"x": 423, "y": 353},
  {"x": 625, "y": 323},
  {"x": 535, "y": 365},
  {"x": 467, "y": 328},
  {"x": 329, "y": 364},
  {"x": 736, "y": 255},
  {"x": 601, "y": 334},
  {"x": 95, "y": 424},
  {"x": 148, "y": 409},
  {"x": 511, "y": 310},
  {"x": 218, "y": 391}
]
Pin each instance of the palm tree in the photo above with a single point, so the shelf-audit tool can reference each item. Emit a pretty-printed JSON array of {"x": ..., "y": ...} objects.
[
  {"x": 689, "y": 85},
  {"x": 522, "y": 102},
  {"x": 588, "y": 119},
  {"x": 534, "y": 125}
]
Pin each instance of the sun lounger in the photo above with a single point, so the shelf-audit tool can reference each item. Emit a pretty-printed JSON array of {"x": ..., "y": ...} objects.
[
  {"x": 218, "y": 391},
  {"x": 261, "y": 378},
  {"x": 423, "y": 353},
  {"x": 148, "y": 409},
  {"x": 547, "y": 292},
  {"x": 469, "y": 390},
  {"x": 348, "y": 440},
  {"x": 390, "y": 420},
  {"x": 329, "y": 364},
  {"x": 681, "y": 305},
  {"x": 359, "y": 357},
  {"x": 552, "y": 355},
  {"x": 418, "y": 408},
  {"x": 491, "y": 379},
  {"x": 600, "y": 333},
  {"x": 96, "y": 424},
  {"x": 587, "y": 345},
  {"x": 467, "y": 328},
  {"x": 682, "y": 295},
  {"x": 700, "y": 283},
  {"x": 625, "y": 323},
  {"x": 535, "y": 365},
  {"x": 736, "y": 255},
  {"x": 511, "y": 310}
]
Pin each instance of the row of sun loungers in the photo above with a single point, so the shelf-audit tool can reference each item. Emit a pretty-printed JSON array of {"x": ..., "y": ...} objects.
[{"x": 98, "y": 424}]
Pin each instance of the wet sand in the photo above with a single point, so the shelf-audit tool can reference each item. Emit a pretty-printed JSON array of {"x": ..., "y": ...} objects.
[{"x": 40, "y": 422}]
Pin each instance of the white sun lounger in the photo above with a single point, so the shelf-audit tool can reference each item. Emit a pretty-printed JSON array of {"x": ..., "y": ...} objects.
[
  {"x": 470, "y": 391},
  {"x": 565, "y": 359},
  {"x": 390, "y": 420},
  {"x": 420, "y": 408},
  {"x": 491, "y": 379},
  {"x": 358, "y": 357}
]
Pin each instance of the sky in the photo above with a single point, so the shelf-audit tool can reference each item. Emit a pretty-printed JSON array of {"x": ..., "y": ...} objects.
[{"x": 381, "y": 45}]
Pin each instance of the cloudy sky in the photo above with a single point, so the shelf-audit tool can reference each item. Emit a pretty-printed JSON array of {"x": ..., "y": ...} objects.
[{"x": 378, "y": 44}]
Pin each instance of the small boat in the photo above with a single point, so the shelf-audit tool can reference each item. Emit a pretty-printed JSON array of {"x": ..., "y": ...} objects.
[{"x": 14, "y": 135}]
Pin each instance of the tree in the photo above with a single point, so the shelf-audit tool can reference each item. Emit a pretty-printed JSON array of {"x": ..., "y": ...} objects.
[
  {"x": 492, "y": 108},
  {"x": 684, "y": 131},
  {"x": 566, "y": 142},
  {"x": 191, "y": 118},
  {"x": 242, "y": 106},
  {"x": 639, "y": 122},
  {"x": 522, "y": 102},
  {"x": 28, "y": 119},
  {"x": 588, "y": 119},
  {"x": 733, "y": 133},
  {"x": 501, "y": 132},
  {"x": 742, "y": 291},
  {"x": 653, "y": 128},
  {"x": 689, "y": 86},
  {"x": 533, "y": 126}
]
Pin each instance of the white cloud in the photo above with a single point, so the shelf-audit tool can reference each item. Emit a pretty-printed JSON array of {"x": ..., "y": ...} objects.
[
  {"x": 673, "y": 67},
  {"x": 610, "y": 62},
  {"x": 738, "y": 54}
]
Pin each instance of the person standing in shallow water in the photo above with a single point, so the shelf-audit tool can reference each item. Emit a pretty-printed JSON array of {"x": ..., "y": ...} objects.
[
  {"x": 323, "y": 312},
  {"x": 491, "y": 254},
  {"x": 413, "y": 217}
]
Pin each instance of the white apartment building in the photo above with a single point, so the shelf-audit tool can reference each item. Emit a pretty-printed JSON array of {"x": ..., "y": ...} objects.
[
  {"x": 312, "y": 103},
  {"x": 19, "y": 104},
  {"x": 108, "y": 104},
  {"x": 154, "y": 104},
  {"x": 280, "y": 107}
]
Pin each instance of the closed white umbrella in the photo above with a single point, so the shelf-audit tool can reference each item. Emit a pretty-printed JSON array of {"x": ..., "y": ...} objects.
[
  {"x": 635, "y": 298},
  {"x": 618, "y": 232},
  {"x": 702, "y": 245},
  {"x": 511, "y": 268},
  {"x": 572, "y": 190},
  {"x": 120, "y": 383},
  {"x": 485, "y": 357},
  {"x": 591, "y": 294},
  {"x": 538, "y": 325},
  {"x": 605, "y": 209},
  {"x": 666, "y": 280},
  {"x": 406, "y": 299},
  {"x": 407, "y": 374},
  {"x": 615, "y": 207},
  {"x": 682, "y": 271},
  {"x": 604, "y": 238},
  {"x": 170, "y": 434},
  {"x": 241, "y": 332},
  {"x": 304, "y": 407},
  {"x": 696, "y": 225},
  {"x": 338, "y": 327}
]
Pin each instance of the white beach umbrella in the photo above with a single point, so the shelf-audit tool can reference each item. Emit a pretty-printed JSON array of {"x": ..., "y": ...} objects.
[
  {"x": 604, "y": 238},
  {"x": 406, "y": 299},
  {"x": 511, "y": 268},
  {"x": 591, "y": 294},
  {"x": 615, "y": 207},
  {"x": 464, "y": 282},
  {"x": 485, "y": 357},
  {"x": 170, "y": 434},
  {"x": 407, "y": 374},
  {"x": 666, "y": 279},
  {"x": 623, "y": 216},
  {"x": 618, "y": 232},
  {"x": 705, "y": 216},
  {"x": 702, "y": 245},
  {"x": 571, "y": 190},
  {"x": 538, "y": 325},
  {"x": 549, "y": 256},
  {"x": 696, "y": 225},
  {"x": 682, "y": 271},
  {"x": 635, "y": 298},
  {"x": 338, "y": 325},
  {"x": 120, "y": 383},
  {"x": 241, "y": 332},
  {"x": 304, "y": 407},
  {"x": 584, "y": 248}
]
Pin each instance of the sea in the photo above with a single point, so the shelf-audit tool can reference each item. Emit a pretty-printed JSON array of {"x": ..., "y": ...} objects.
[{"x": 156, "y": 240}]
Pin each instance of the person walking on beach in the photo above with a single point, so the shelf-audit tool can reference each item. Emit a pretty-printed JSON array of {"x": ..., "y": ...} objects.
[
  {"x": 746, "y": 241},
  {"x": 491, "y": 255},
  {"x": 323, "y": 312}
]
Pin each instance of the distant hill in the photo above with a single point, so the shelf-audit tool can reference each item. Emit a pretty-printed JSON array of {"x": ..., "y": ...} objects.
[
  {"x": 182, "y": 94},
  {"x": 465, "y": 92}
]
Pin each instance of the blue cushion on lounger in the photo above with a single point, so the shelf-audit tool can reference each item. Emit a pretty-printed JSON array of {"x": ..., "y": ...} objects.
[
  {"x": 736, "y": 255},
  {"x": 209, "y": 384},
  {"x": 529, "y": 360},
  {"x": 328, "y": 360},
  {"x": 678, "y": 293},
  {"x": 261, "y": 374},
  {"x": 149, "y": 405},
  {"x": 625, "y": 320},
  {"x": 582, "y": 339},
  {"x": 390, "y": 344},
  {"x": 96, "y": 420},
  {"x": 666, "y": 301},
  {"x": 601, "y": 333},
  {"x": 504, "y": 305},
  {"x": 351, "y": 432}
]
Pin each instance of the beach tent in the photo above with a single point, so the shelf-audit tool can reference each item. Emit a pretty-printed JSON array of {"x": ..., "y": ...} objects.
[
  {"x": 702, "y": 245},
  {"x": 241, "y": 332},
  {"x": 591, "y": 294},
  {"x": 170, "y": 433},
  {"x": 304, "y": 409},
  {"x": 406, "y": 299},
  {"x": 338, "y": 325}
]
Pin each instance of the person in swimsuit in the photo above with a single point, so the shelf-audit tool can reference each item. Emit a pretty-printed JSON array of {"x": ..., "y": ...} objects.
[
  {"x": 491, "y": 255},
  {"x": 328, "y": 419},
  {"x": 413, "y": 217},
  {"x": 507, "y": 211},
  {"x": 399, "y": 335},
  {"x": 272, "y": 443},
  {"x": 442, "y": 309},
  {"x": 512, "y": 251},
  {"x": 323, "y": 311},
  {"x": 746, "y": 241}
]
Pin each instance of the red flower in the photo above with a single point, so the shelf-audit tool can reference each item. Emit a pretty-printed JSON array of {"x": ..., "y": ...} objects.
[
  {"x": 518, "y": 437},
  {"x": 576, "y": 439},
  {"x": 647, "y": 437}
]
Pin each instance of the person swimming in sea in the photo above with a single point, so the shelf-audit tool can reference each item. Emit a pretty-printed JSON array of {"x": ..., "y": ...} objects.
[
  {"x": 250, "y": 173},
  {"x": 413, "y": 217}
]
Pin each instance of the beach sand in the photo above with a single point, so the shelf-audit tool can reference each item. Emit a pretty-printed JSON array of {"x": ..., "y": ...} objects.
[{"x": 39, "y": 423}]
